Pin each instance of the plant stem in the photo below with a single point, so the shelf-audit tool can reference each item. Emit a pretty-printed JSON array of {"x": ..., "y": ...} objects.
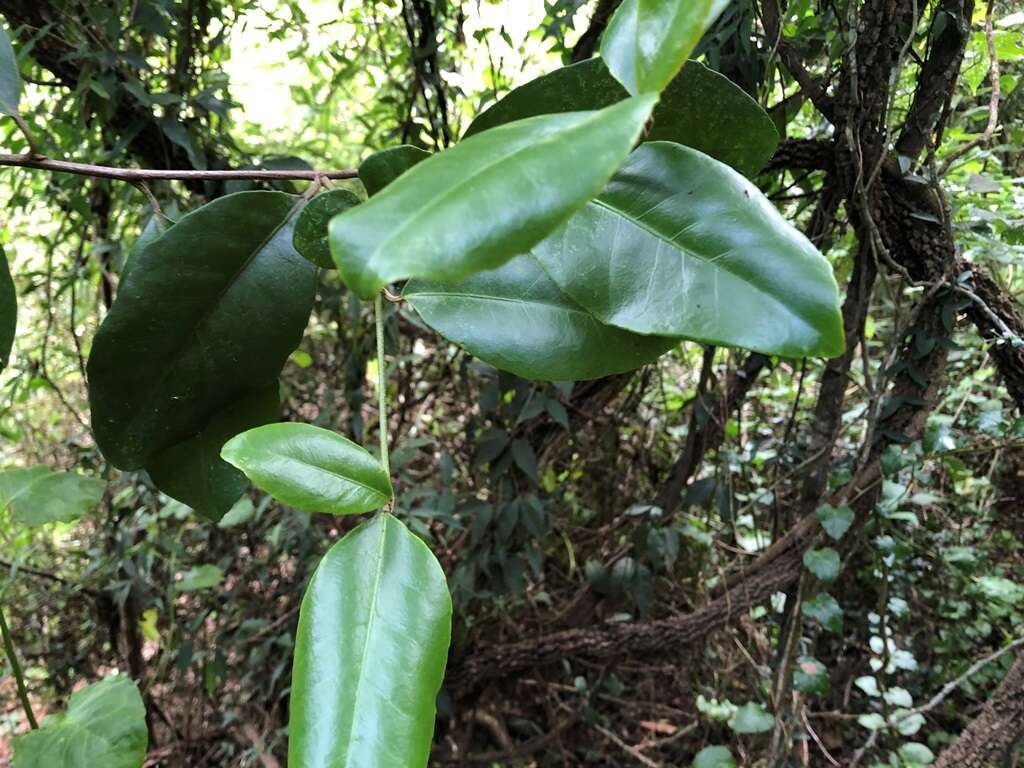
[
  {"x": 382, "y": 406},
  {"x": 19, "y": 679},
  {"x": 143, "y": 174}
]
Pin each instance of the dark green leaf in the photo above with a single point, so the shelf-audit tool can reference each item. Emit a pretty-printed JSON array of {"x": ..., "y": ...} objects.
[
  {"x": 310, "y": 238},
  {"x": 825, "y": 610},
  {"x": 381, "y": 168},
  {"x": 835, "y": 520},
  {"x": 10, "y": 77},
  {"x": 105, "y": 725},
  {"x": 515, "y": 318},
  {"x": 370, "y": 652},
  {"x": 647, "y": 41},
  {"x": 208, "y": 315},
  {"x": 477, "y": 205},
  {"x": 310, "y": 468},
  {"x": 714, "y": 757},
  {"x": 810, "y": 676},
  {"x": 193, "y": 472},
  {"x": 823, "y": 563},
  {"x": 699, "y": 108},
  {"x": 38, "y": 495},
  {"x": 679, "y": 244},
  {"x": 8, "y": 311}
]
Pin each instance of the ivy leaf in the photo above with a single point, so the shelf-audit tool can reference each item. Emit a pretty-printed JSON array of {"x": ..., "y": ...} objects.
[
  {"x": 10, "y": 76},
  {"x": 516, "y": 319},
  {"x": 824, "y": 609},
  {"x": 835, "y": 520},
  {"x": 476, "y": 205},
  {"x": 310, "y": 237},
  {"x": 39, "y": 495},
  {"x": 914, "y": 754},
  {"x": 751, "y": 718},
  {"x": 647, "y": 41},
  {"x": 700, "y": 108},
  {"x": 381, "y": 168},
  {"x": 311, "y": 469},
  {"x": 206, "y": 318},
  {"x": 823, "y": 563},
  {"x": 370, "y": 652},
  {"x": 810, "y": 676},
  {"x": 714, "y": 757},
  {"x": 681, "y": 245},
  {"x": 8, "y": 311},
  {"x": 105, "y": 725}
]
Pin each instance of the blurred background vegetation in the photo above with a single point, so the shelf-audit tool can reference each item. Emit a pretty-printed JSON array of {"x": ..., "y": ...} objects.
[{"x": 581, "y": 506}]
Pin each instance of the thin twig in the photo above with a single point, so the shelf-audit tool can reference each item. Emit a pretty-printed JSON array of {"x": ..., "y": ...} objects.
[
  {"x": 19, "y": 678},
  {"x": 143, "y": 174}
]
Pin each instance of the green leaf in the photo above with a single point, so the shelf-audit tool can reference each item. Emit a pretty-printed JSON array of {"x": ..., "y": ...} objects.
[
  {"x": 370, "y": 652},
  {"x": 200, "y": 577},
  {"x": 647, "y": 41},
  {"x": 241, "y": 513},
  {"x": 823, "y": 563},
  {"x": 824, "y": 609},
  {"x": 105, "y": 725},
  {"x": 835, "y": 520},
  {"x": 516, "y": 319},
  {"x": 310, "y": 237},
  {"x": 10, "y": 76},
  {"x": 38, "y": 495},
  {"x": 751, "y": 718},
  {"x": 714, "y": 757},
  {"x": 311, "y": 469},
  {"x": 193, "y": 472},
  {"x": 914, "y": 753},
  {"x": 8, "y": 311},
  {"x": 153, "y": 229},
  {"x": 679, "y": 244},
  {"x": 699, "y": 108},
  {"x": 477, "y": 205},
  {"x": 810, "y": 676},
  {"x": 381, "y": 168},
  {"x": 207, "y": 317}
]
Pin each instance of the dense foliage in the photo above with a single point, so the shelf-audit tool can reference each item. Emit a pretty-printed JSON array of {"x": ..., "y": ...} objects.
[{"x": 676, "y": 343}]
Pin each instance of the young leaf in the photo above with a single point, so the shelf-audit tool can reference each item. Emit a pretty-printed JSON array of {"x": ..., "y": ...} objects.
[
  {"x": 193, "y": 472},
  {"x": 207, "y": 316},
  {"x": 835, "y": 520},
  {"x": 810, "y": 676},
  {"x": 679, "y": 244},
  {"x": 700, "y": 108},
  {"x": 10, "y": 76},
  {"x": 823, "y": 563},
  {"x": 105, "y": 725},
  {"x": 516, "y": 319},
  {"x": 310, "y": 468},
  {"x": 647, "y": 41},
  {"x": 38, "y": 495},
  {"x": 370, "y": 652},
  {"x": 493, "y": 196},
  {"x": 310, "y": 236},
  {"x": 8, "y": 311},
  {"x": 381, "y": 168}
]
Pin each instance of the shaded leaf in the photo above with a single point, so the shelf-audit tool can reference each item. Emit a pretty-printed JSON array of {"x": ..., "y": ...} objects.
[
  {"x": 370, "y": 652},
  {"x": 381, "y": 168},
  {"x": 310, "y": 237},
  {"x": 310, "y": 468},
  {"x": 810, "y": 676},
  {"x": 8, "y": 311},
  {"x": 823, "y": 563},
  {"x": 200, "y": 577},
  {"x": 516, "y": 319},
  {"x": 835, "y": 520},
  {"x": 487, "y": 199},
  {"x": 10, "y": 76},
  {"x": 824, "y": 609},
  {"x": 714, "y": 757},
  {"x": 751, "y": 718},
  {"x": 679, "y": 244},
  {"x": 38, "y": 495},
  {"x": 105, "y": 725}
]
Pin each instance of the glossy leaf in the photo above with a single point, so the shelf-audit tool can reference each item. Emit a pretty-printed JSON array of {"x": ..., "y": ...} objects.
[
  {"x": 381, "y": 168},
  {"x": 10, "y": 76},
  {"x": 648, "y": 41},
  {"x": 310, "y": 468},
  {"x": 8, "y": 311},
  {"x": 370, "y": 652},
  {"x": 207, "y": 316},
  {"x": 105, "y": 725},
  {"x": 39, "y": 495},
  {"x": 486, "y": 200},
  {"x": 154, "y": 229},
  {"x": 516, "y": 319},
  {"x": 699, "y": 108},
  {"x": 193, "y": 472},
  {"x": 310, "y": 237},
  {"x": 679, "y": 244}
]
